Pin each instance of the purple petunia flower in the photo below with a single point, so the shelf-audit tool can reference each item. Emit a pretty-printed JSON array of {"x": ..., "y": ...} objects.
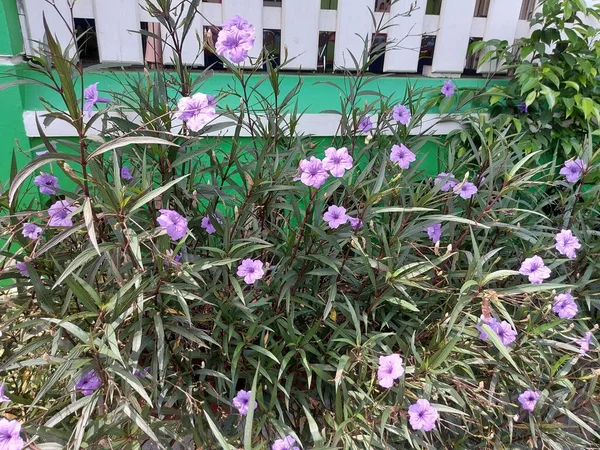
[
  {"x": 584, "y": 343},
  {"x": 401, "y": 114},
  {"x": 505, "y": 332},
  {"x": 390, "y": 369},
  {"x": 22, "y": 268},
  {"x": 491, "y": 322},
  {"x": 335, "y": 216},
  {"x": 235, "y": 39},
  {"x": 447, "y": 179},
  {"x": 402, "y": 155},
  {"x": 287, "y": 443},
  {"x": 32, "y": 231},
  {"x": 567, "y": 243},
  {"x": 434, "y": 232},
  {"x": 88, "y": 383},
  {"x": 207, "y": 224},
  {"x": 242, "y": 401},
  {"x": 572, "y": 170},
  {"x": 126, "y": 173},
  {"x": 529, "y": 399},
  {"x": 312, "y": 172},
  {"x": 47, "y": 183},
  {"x": 565, "y": 306},
  {"x": 465, "y": 190},
  {"x": 42, "y": 153},
  {"x": 173, "y": 223},
  {"x": 60, "y": 214},
  {"x": 91, "y": 98},
  {"x": 422, "y": 415},
  {"x": 523, "y": 108},
  {"x": 355, "y": 223},
  {"x": 365, "y": 124},
  {"x": 196, "y": 111},
  {"x": 142, "y": 373},
  {"x": 3, "y": 398},
  {"x": 337, "y": 161},
  {"x": 448, "y": 88},
  {"x": 10, "y": 435},
  {"x": 535, "y": 269},
  {"x": 251, "y": 270}
]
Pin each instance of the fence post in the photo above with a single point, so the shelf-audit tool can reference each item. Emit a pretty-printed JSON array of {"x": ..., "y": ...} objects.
[
  {"x": 300, "y": 32},
  {"x": 404, "y": 39},
  {"x": 354, "y": 23},
  {"x": 116, "y": 23}
]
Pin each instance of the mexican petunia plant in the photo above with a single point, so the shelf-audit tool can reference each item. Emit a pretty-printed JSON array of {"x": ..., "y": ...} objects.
[{"x": 193, "y": 272}]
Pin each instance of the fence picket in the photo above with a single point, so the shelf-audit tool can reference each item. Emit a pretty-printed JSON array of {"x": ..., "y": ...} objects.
[
  {"x": 404, "y": 39},
  {"x": 353, "y": 24},
  {"x": 453, "y": 37},
  {"x": 117, "y": 23},
  {"x": 300, "y": 32},
  {"x": 60, "y": 26},
  {"x": 191, "y": 53}
]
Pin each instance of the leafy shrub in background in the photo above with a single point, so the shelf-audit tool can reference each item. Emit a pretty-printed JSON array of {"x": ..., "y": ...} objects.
[{"x": 188, "y": 294}]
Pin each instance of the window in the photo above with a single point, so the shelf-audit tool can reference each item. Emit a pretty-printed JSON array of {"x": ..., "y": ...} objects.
[
  {"x": 382, "y": 5},
  {"x": 527, "y": 9},
  {"x": 426, "y": 53},
  {"x": 472, "y": 60},
  {"x": 210, "y": 59},
  {"x": 326, "y": 51},
  {"x": 433, "y": 7},
  {"x": 329, "y": 4},
  {"x": 272, "y": 42},
  {"x": 275, "y": 3},
  {"x": 378, "y": 44},
  {"x": 481, "y": 8},
  {"x": 87, "y": 42}
]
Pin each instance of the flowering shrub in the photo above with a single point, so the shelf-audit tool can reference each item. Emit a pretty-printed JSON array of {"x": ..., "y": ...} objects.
[{"x": 272, "y": 295}]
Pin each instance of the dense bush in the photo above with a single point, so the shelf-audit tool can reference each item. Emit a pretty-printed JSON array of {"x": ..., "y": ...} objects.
[{"x": 357, "y": 303}]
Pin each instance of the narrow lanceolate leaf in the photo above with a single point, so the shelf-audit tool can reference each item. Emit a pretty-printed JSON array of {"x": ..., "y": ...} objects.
[
  {"x": 220, "y": 438},
  {"x": 140, "y": 422},
  {"x": 125, "y": 141},
  {"x": 250, "y": 416},
  {"x": 88, "y": 217},
  {"x": 34, "y": 165},
  {"x": 145, "y": 199},
  {"x": 68, "y": 410},
  {"x": 82, "y": 259}
]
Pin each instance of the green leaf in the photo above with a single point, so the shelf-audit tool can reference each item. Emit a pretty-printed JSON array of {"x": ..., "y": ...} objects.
[
  {"x": 145, "y": 199},
  {"x": 220, "y": 438},
  {"x": 142, "y": 424},
  {"x": 250, "y": 416},
  {"x": 82, "y": 259},
  {"x": 131, "y": 140}
]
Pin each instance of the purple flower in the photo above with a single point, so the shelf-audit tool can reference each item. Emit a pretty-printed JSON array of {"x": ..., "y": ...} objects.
[
  {"x": 242, "y": 401},
  {"x": 572, "y": 170},
  {"x": 335, "y": 216},
  {"x": 448, "y": 88},
  {"x": 126, "y": 173},
  {"x": 365, "y": 124},
  {"x": 401, "y": 114},
  {"x": 42, "y": 153},
  {"x": 528, "y": 399},
  {"x": 535, "y": 269},
  {"x": 91, "y": 98},
  {"x": 402, "y": 155},
  {"x": 88, "y": 383},
  {"x": 434, "y": 232},
  {"x": 235, "y": 39},
  {"x": 22, "y": 268},
  {"x": 60, "y": 214},
  {"x": 207, "y": 224},
  {"x": 142, "y": 373},
  {"x": 337, "y": 161},
  {"x": 491, "y": 322},
  {"x": 390, "y": 369},
  {"x": 32, "y": 231},
  {"x": 355, "y": 223},
  {"x": 567, "y": 243},
  {"x": 312, "y": 172},
  {"x": 584, "y": 342},
  {"x": 251, "y": 270},
  {"x": 448, "y": 180},
  {"x": 522, "y": 108},
  {"x": 422, "y": 415},
  {"x": 196, "y": 111},
  {"x": 565, "y": 306},
  {"x": 287, "y": 443},
  {"x": 47, "y": 183},
  {"x": 505, "y": 332},
  {"x": 10, "y": 435},
  {"x": 465, "y": 190},
  {"x": 3, "y": 398},
  {"x": 173, "y": 222}
]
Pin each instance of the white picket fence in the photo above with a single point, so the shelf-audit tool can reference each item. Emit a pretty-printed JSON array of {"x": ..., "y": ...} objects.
[{"x": 300, "y": 22}]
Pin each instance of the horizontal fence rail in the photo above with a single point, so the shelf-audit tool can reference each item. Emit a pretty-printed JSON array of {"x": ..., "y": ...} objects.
[{"x": 301, "y": 27}]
